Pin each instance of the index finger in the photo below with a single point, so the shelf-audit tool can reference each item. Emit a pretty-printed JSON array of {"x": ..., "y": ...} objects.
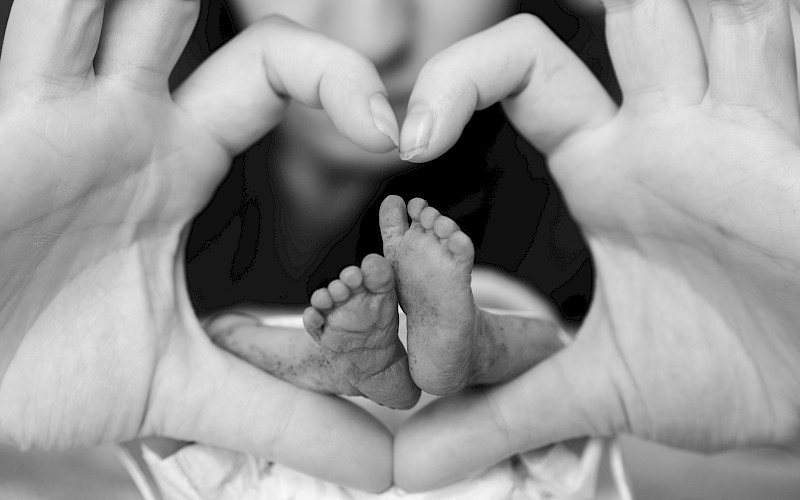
[
  {"x": 240, "y": 93},
  {"x": 548, "y": 92}
]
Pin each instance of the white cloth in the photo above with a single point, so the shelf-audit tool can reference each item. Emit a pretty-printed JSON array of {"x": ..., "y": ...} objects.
[{"x": 203, "y": 473}]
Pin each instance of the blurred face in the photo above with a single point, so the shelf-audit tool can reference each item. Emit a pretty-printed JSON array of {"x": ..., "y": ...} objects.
[{"x": 399, "y": 36}]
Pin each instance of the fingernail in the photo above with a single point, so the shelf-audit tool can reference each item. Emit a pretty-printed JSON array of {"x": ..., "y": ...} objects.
[
  {"x": 416, "y": 132},
  {"x": 383, "y": 117}
]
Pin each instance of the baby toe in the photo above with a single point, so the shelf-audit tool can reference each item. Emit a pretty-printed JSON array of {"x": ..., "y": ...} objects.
[
  {"x": 428, "y": 217},
  {"x": 339, "y": 291},
  {"x": 415, "y": 207},
  {"x": 461, "y": 246},
  {"x": 444, "y": 227},
  {"x": 321, "y": 299},
  {"x": 378, "y": 274},
  {"x": 313, "y": 322},
  {"x": 352, "y": 277}
]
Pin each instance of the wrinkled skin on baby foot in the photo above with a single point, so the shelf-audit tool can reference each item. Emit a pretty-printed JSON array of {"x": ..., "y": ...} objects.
[
  {"x": 433, "y": 259},
  {"x": 355, "y": 321},
  {"x": 452, "y": 342}
]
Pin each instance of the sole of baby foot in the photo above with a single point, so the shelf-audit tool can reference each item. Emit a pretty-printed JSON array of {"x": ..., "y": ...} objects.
[
  {"x": 355, "y": 321},
  {"x": 433, "y": 259}
]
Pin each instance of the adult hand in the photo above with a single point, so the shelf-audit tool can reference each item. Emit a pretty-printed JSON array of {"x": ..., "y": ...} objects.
[
  {"x": 688, "y": 196},
  {"x": 102, "y": 171}
]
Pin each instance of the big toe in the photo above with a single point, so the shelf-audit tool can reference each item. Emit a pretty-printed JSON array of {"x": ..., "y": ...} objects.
[
  {"x": 392, "y": 218},
  {"x": 378, "y": 274}
]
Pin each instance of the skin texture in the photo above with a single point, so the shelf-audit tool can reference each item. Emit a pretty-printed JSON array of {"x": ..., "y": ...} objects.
[
  {"x": 102, "y": 172},
  {"x": 453, "y": 343},
  {"x": 687, "y": 196},
  {"x": 355, "y": 321}
]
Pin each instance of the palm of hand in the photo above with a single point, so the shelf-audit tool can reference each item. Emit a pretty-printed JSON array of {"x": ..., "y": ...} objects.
[
  {"x": 687, "y": 199},
  {"x": 694, "y": 257},
  {"x": 106, "y": 252},
  {"x": 103, "y": 170}
]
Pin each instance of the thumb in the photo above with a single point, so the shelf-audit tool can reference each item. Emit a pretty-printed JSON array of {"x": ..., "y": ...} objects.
[
  {"x": 207, "y": 395},
  {"x": 564, "y": 397}
]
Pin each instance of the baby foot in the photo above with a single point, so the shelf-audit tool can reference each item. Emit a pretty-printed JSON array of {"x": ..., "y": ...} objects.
[
  {"x": 355, "y": 321},
  {"x": 433, "y": 260},
  {"x": 282, "y": 352}
]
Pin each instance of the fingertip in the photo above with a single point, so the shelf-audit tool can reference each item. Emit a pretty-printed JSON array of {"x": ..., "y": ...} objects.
[
  {"x": 416, "y": 134},
  {"x": 353, "y": 95},
  {"x": 384, "y": 118},
  {"x": 512, "y": 62}
]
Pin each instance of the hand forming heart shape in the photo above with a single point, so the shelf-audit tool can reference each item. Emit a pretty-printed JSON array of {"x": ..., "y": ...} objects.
[{"x": 686, "y": 194}]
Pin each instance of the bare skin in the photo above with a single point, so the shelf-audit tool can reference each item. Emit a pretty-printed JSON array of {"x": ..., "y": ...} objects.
[
  {"x": 453, "y": 343},
  {"x": 352, "y": 349},
  {"x": 287, "y": 353},
  {"x": 103, "y": 170},
  {"x": 688, "y": 197},
  {"x": 355, "y": 321}
]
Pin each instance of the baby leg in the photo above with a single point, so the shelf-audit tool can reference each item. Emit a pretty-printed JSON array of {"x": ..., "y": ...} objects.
[
  {"x": 355, "y": 321},
  {"x": 287, "y": 353}
]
